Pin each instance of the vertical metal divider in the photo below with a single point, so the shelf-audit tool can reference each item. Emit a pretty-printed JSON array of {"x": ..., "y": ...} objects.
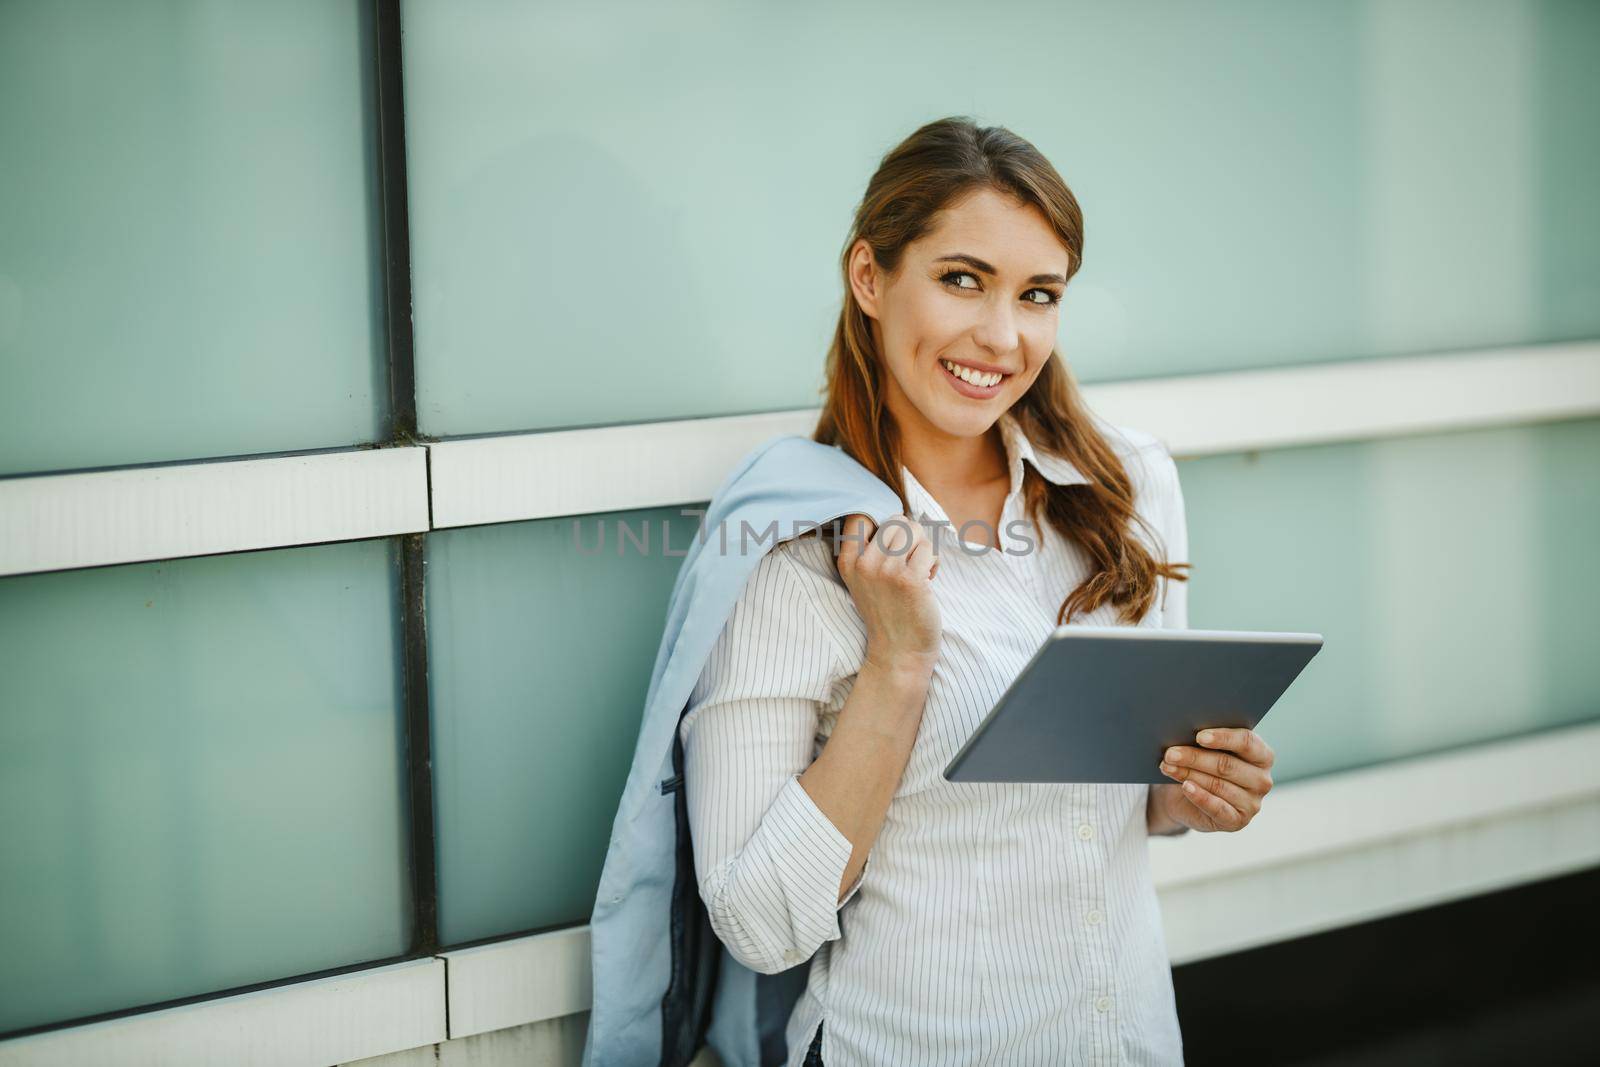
[{"x": 403, "y": 431}]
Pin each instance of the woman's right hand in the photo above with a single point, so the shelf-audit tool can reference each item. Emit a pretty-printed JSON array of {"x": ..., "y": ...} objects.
[{"x": 889, "y": 571}]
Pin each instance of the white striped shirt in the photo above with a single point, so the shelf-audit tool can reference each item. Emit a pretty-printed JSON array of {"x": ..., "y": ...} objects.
[{"x": 992, "y": 923}]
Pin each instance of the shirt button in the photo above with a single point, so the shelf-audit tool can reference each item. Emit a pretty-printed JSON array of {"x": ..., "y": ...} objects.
[
  {"x": 1085, "y": 831},
  {"x": 1102, "y": 1004},
  {"x": 1094, "y": 917}
]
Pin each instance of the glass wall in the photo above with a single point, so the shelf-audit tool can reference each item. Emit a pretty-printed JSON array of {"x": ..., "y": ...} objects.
[
  {"x": 1452, "y": 576},
  {"x": 605, "y": 230},
  {"x": 201, "y": 770},
  {"x": 630, "y": 212},
  {"x": 189, "y": 241},
  {"x": 541, "y": 638},
  {"x": 202, "y": 761}
]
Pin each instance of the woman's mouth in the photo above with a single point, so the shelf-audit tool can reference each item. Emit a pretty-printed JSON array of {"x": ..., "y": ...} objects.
[{"x": 969, "y": 381}]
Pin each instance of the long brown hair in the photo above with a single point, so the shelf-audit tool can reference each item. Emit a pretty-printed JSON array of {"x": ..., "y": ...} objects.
[{"x": 925, "y": 173}]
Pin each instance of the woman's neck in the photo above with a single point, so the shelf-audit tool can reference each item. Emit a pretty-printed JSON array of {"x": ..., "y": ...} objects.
[{"x": 947, "y": 462}]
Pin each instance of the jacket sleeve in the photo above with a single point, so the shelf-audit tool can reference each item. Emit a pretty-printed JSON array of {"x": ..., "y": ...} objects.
[{"x": 768, "y": 860}]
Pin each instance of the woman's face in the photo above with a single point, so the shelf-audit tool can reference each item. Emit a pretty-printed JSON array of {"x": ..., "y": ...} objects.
[{"x": 975, "y": 298}]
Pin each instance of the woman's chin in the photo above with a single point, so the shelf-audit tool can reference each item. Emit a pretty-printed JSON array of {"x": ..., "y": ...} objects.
[{"x": 969, "y": 418}]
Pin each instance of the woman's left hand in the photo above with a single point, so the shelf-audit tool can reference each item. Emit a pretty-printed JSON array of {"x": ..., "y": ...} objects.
[{"x": 1223, "y": 782}]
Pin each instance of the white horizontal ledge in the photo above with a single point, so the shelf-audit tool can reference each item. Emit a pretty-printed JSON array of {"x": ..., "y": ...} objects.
[
  {"x": 1401, "y": 798},
  {"x": 306, "y": 1024},
  {"x": 1351, "y": 847},
  {"x": 517, "y": 981},
  {"x": 1241, "y": 411},
  {"x": 512, "y": 477},
  {"x": 94, "y": 518},
  {"x": 1315, "y": 894},
  {"x": 127, "y": 515}
]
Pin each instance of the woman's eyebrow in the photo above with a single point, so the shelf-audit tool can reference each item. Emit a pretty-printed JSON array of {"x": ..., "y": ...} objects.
[{"x": 978, "y": 264}]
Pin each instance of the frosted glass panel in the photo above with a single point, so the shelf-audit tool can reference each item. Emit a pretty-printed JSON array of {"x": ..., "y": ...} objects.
[
  {"x": 201, "y": 777},
  {"x": 1454, "y": 577},
  {"x": 630, "y": 211},
  {"x": 539, "y": 660},
  {"x": 188, "y": 231}
]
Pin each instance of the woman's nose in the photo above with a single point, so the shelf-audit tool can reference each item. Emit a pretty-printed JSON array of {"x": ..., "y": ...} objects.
[{"x": 997, "y": 331}]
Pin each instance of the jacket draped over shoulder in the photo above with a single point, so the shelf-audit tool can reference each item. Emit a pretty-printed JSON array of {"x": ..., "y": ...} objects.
[{"x": 664, "y": 985}]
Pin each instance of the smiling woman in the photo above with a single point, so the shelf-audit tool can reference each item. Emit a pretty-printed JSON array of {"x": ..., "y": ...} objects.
[
  {"x": 1016, "y": 922},
  {"x": 954, "y": 270}
]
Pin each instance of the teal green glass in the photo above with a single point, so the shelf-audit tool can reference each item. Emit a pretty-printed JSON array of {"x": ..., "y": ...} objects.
[
  {"x": 624, "y": 212},
  {"x": 189, "y": 234},
  {"x": 201, "y": 777},
  {"x": 541, "y": 640},
  {"x": 1453, "y": 578}
]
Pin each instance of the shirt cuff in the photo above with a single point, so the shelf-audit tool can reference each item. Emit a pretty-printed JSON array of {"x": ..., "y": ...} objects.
[
  {"x": 778, "y": 899},
  {"x": 862, "y": 873},
  {"x": 825, "y": 826},
  {"x": 820, "y": 854}
]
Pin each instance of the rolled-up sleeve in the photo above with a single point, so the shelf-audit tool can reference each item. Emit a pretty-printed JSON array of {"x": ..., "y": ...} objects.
[{"x": 768, "y": 860}]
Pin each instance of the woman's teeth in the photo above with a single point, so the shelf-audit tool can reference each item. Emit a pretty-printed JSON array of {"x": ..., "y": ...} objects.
[{"x": 976, "y": 377}]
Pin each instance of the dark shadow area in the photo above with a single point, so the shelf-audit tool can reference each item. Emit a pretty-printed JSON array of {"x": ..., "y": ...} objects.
[{"x": 1507, "y": 977}]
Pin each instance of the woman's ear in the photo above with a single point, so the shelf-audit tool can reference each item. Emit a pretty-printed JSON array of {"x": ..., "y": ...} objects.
[{"x": 865, "y": 279}]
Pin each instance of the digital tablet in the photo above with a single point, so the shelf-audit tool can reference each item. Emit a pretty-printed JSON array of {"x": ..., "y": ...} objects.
[{"x": 1102, "y": 703}]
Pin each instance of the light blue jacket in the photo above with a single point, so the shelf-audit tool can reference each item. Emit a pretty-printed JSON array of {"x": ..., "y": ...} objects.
[{"x": 663, "y": 983}]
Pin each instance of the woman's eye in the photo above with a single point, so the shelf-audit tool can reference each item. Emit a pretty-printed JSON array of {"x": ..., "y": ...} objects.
[{"x": 1051, "y": 298}]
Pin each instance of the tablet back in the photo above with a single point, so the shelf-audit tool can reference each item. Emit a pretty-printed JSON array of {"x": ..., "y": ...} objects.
[{"x": 1102, "y": 703}]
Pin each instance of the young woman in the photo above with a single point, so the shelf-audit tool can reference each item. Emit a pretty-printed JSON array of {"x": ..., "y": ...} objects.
[{"x": 952, "y": 923}]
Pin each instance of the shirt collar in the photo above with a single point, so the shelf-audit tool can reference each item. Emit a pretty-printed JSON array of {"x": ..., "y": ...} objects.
[
  {"x": 1054, "y": 468},
  {"x": 1019, "y": 448}
]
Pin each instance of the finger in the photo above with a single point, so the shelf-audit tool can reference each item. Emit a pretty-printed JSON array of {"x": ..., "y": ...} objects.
[
  {"x": 1238, "y": 797},
  {"x": 917, "y": 537},
  {"x": 921, "y": 561},
  {"x": 1192, "y": 815},
  {"x": 1247, "y": 744},
  {"x": 1221, "y": 812},
  {"x": 1224, "y": 765},
  {"x": 855, "y": 532},
  {"x": 896, "y": 537}
]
